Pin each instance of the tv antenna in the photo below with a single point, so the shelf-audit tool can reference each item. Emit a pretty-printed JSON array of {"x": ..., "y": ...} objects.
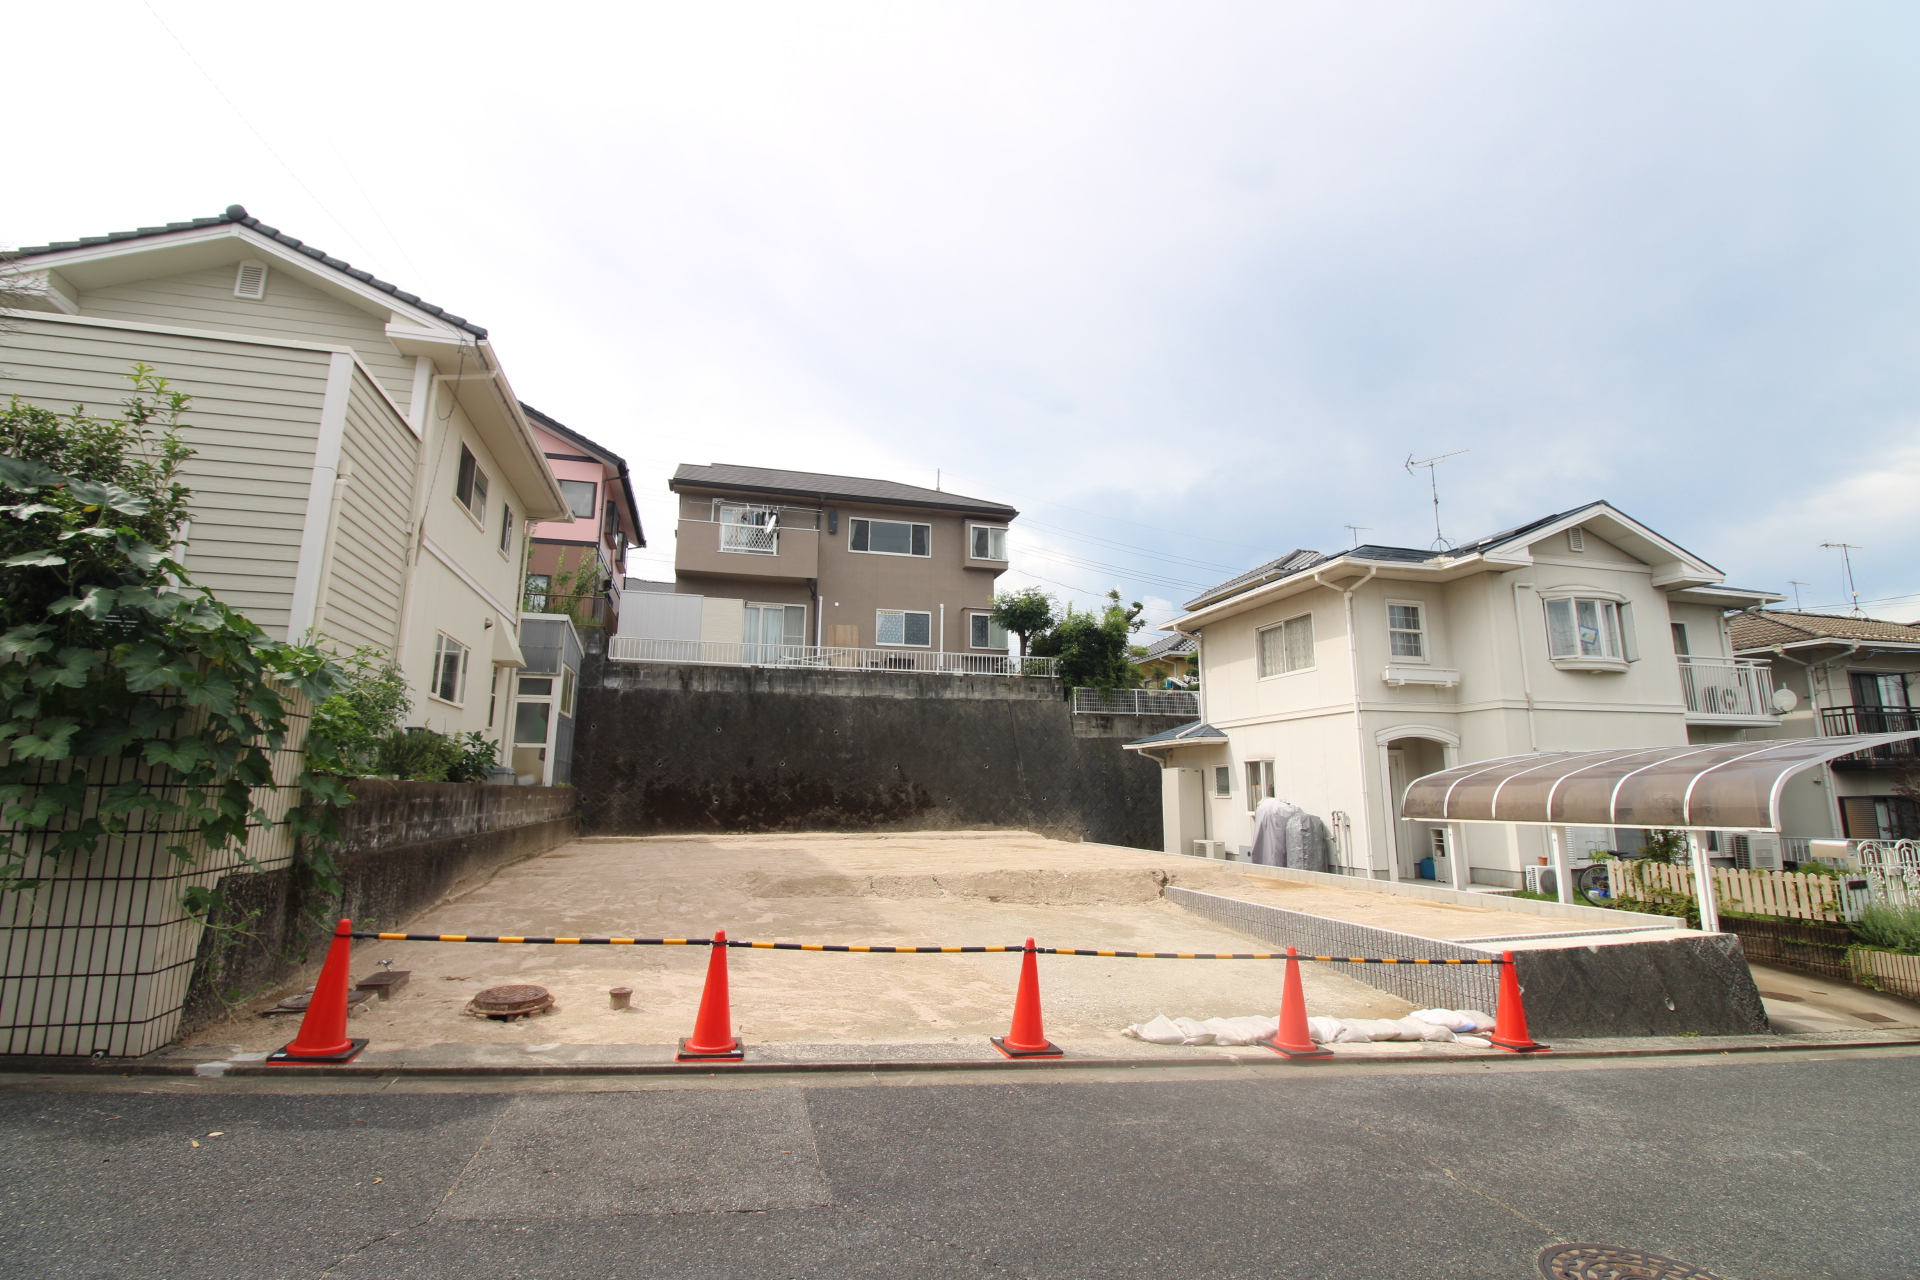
[
  {"x": 1440, "y": 542},
  {"x": 1796, "y": 584},
  {"x": 1846, "y": 559},
  {"x": 1357, "y": 529}
]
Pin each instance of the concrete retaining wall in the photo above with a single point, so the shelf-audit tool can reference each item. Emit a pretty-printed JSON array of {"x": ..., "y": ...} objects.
[
  {"x": 404, "y": 846},
  {"x": 680, "y": 748},
  {"x": 1692, "y": 983}
]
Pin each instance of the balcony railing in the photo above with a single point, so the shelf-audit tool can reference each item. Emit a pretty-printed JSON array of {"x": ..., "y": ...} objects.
[
  {"x": 1728, "y": 688},
  {"x": 718, "y": 653},
  {"x": 1838, "y": 721},
  {"x": 753, "y": 539},
  {"x": 1136, "y": 702}
]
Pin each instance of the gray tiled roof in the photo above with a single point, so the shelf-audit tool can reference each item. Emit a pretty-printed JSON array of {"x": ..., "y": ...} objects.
[
  {"x": 237, "y": 214},
  {"x": 809, "y": 484},
  {"x": 1167, "y": 647},
  {"x": 1197, "y": 731}
]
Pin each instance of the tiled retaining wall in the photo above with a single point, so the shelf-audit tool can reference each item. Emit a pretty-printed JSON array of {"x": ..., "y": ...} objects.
[
  {"x": 1428, "y": 986},
  {"x": 1653, "y": 986}
]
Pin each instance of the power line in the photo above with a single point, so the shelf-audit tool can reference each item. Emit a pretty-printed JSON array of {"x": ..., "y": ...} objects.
[{"x": 372, "y": 258}]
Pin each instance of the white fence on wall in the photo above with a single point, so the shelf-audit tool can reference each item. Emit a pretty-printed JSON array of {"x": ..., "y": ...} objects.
[
  {"x": 1136, "y": 702},
  {"x": 720, "y": 653}
]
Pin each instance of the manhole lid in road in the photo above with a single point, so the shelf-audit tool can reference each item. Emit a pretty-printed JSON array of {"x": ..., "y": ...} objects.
[
  {"x": 510, "y": 1002},
  {"x": 1610, "y": 1262}
]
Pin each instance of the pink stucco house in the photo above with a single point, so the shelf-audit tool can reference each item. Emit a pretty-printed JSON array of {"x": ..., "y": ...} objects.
[{"x": 604, "y": 525}]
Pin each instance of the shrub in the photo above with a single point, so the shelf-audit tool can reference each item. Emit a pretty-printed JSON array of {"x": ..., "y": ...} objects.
[
  {"x": 368, "y": 704},
  {"x": 478, "y": 756},
  {"x": 1890, "y": 928},
  {"x": 418, "y": 755}
]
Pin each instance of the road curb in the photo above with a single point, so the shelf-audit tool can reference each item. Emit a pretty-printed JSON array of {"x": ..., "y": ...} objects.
[{"x": 17, "y": 1065}]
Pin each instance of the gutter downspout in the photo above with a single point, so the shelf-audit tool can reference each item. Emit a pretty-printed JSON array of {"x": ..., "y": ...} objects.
[
  {"x": 1526, "y": 676},
  {"x": 1359, "y": 729}
]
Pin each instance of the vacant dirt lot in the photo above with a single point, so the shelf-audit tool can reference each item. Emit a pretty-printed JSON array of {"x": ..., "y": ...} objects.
[{"x": 941, "y": 888}]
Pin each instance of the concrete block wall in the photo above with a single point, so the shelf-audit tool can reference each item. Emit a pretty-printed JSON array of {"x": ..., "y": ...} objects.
[{"x": 666, "y": 748}]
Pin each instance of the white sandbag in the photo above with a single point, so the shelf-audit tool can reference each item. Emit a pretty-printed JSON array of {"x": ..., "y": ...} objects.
[
  {"x": 1474, "y": 1042},
  {"x": 1329, "y": 1031},
  {"x": 1451, "y": 1019},
  {"x": 1378, "y": 1028},
  {"x": 1481, "y": 1022},
  {"x": 1417, "y": 1029},
  {"x": 1225, "y": 1031},
  {"x": 1162, "y": 1030}
]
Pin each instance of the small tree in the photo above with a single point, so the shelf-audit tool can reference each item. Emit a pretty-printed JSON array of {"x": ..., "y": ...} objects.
[
  {"x": 1093, "y": 649},
  {"x": 1026, "y": 613}
]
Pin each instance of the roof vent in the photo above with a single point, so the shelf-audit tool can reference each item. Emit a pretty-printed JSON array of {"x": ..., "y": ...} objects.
[
  {"x": 1576, "y": 539},
  {"x": 251, "y": 280}
]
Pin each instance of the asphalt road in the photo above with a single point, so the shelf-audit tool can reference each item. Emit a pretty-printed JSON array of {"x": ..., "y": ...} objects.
[{"x": 1746, "y": 1168}]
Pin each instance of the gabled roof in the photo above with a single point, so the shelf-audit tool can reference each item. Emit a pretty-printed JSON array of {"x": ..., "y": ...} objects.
[
  {"x": 601, "y": 452},
  {"x": 1769, "y": 627},
  {"x": 809, "y": 484},
  {"x": 1685, "y": 571},
  {"x": 238, "y": 215}
]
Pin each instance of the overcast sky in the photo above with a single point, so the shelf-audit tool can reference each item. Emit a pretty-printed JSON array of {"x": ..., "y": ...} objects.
[{"x": 1185, "y": 283}]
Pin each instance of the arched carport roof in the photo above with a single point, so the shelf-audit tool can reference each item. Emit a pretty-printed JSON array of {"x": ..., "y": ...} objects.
[{"x": 1728, "y": 786}]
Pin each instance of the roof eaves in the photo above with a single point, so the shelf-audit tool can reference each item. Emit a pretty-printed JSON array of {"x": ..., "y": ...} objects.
[{"x": 237, "y": 215}]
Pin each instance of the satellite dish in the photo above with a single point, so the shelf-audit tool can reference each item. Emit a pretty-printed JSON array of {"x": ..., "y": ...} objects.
[{"x": 1784, "y": 700}]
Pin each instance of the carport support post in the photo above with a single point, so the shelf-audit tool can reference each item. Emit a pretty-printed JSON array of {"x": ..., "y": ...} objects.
[
  {"x": 1562, "y": 872},
  {"x": 1703, "y": 883}
]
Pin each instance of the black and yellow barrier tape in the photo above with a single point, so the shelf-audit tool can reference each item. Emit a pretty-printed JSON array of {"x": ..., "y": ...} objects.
[{"x": 886, "y": 950}]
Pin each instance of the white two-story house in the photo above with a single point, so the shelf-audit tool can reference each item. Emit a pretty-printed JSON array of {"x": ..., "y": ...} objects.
[
  {"x": 363, "y": 472},
  {"x": 1333, "y": 681}
]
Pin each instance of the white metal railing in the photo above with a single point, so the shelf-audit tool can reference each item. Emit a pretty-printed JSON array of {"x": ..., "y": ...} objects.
[
  {"x": 1136, "y": 702},
  {"x": 1727, "y": 686},
  {"x": 1892, "y": 868},
  {"x": 754, "y": 539},
  {"x": 720, "y": 653}
]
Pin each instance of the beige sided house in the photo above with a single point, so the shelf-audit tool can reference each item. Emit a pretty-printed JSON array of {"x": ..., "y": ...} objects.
[
  {"x": 1334, "y": 681},
  {"x": 774, "y": 566},
  {"x": 1849, "y": 674},
  {"x": 363, "y": 470}
]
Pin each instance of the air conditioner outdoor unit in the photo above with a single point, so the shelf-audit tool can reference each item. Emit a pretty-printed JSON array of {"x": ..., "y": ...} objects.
[
  {"x": 1209, "y": 849},
  {"x": 1763, "y": 853}
]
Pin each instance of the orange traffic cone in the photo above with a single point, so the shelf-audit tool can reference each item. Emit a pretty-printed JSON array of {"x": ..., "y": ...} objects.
[
  {"x": 323, "y": 1030},
  {"x": 1026, "y": 1038},
  {"x": 1510, "y": 1016},
  {"x": 713, "y": 1037},
  {"x": 1292, "y": 1038}
]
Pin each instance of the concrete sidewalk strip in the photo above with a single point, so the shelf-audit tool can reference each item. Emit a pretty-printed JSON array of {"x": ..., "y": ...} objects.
[{"x": 605, "y": 1155}]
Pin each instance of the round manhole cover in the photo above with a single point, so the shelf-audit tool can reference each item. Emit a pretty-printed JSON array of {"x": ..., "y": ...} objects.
[
  {"x": 513, "y": 1001},
  {"x": 1610, "y": 1262}
]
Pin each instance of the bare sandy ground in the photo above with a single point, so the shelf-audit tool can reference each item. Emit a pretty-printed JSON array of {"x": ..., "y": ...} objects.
[{"x": 948, "y": 888}]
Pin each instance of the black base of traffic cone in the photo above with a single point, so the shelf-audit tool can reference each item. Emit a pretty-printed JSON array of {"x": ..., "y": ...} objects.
[
  {"x": 347, "y": 1055},
  {"x": 1052, "y": 1050},
  {"x": 734, "y": 1054}
]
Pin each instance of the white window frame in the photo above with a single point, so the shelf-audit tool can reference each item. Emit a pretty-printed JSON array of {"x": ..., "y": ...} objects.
[
  {"x": 444, "y": 647},
  {"x": 1259, "y": 644},
  {"x": 1260, "y": 785},
  {"x": 1223, "y": 773},
  {"x": 992, "y": 626},
  {"x": 973, "y": 540},
  {"x": 870, "y": 521},
  {"x": 506, "y": 529},
  {"x": 476, "y": 484},
  {"x": 1419, "y": 608},
  {"x": 1612, "y": 623},
  {"x": 903, "y": 615}
]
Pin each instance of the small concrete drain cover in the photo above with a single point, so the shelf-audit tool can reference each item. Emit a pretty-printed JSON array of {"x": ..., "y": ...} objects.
[{"x": 1609, "y": 1262}]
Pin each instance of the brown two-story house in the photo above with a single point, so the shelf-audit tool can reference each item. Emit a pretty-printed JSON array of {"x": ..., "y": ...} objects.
[{"x": 796, "y": 559}]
